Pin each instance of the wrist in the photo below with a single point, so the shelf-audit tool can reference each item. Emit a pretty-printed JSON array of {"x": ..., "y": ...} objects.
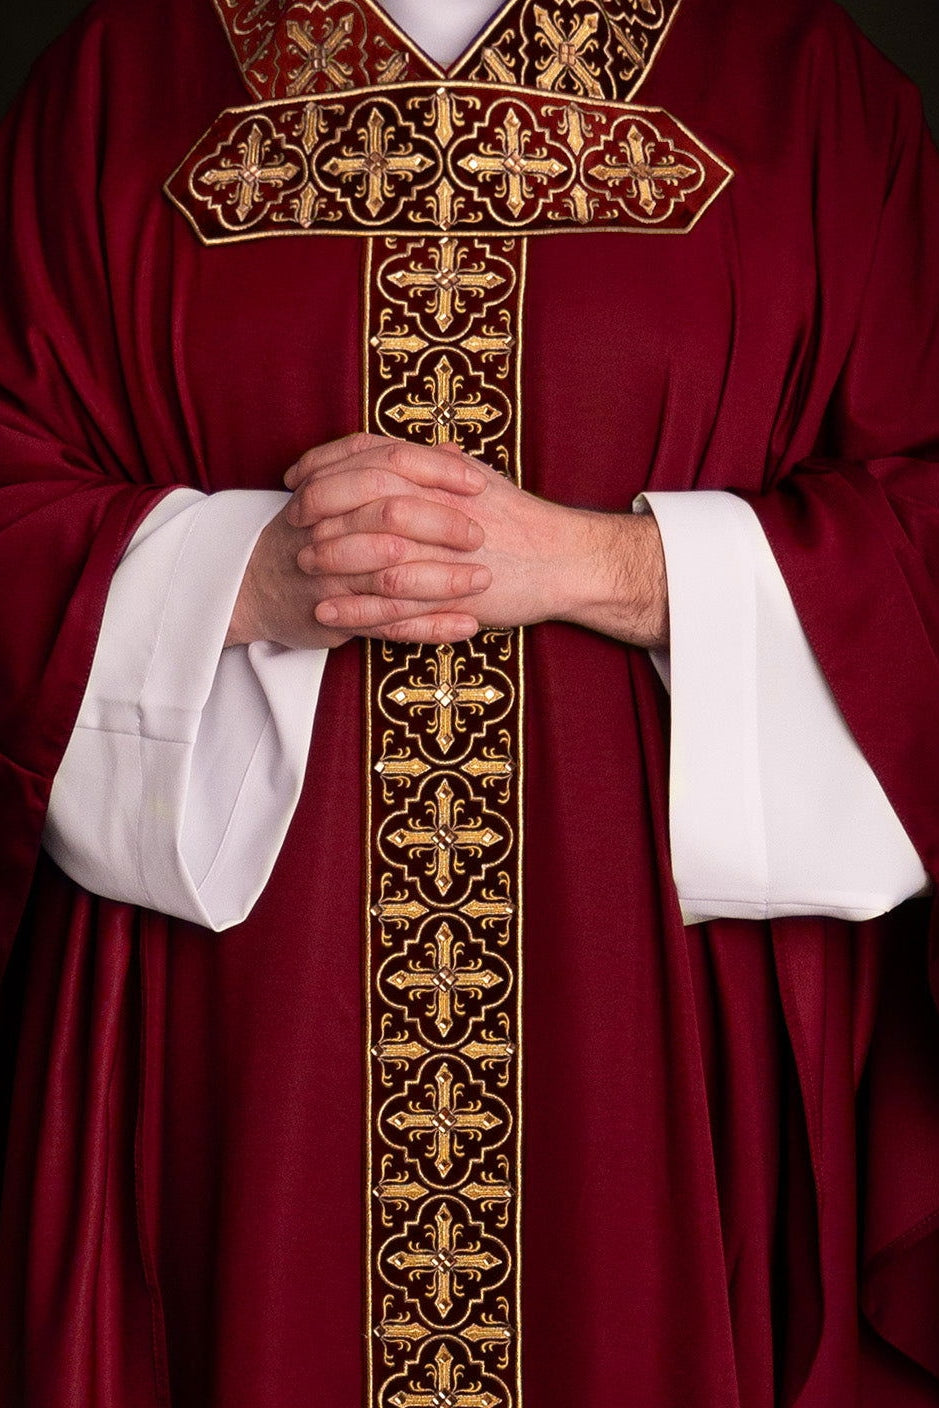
[
  {"x": 243, "y": 628},
  {"x": 247, "y": 620},
  {"x": 621, "y": 589}
]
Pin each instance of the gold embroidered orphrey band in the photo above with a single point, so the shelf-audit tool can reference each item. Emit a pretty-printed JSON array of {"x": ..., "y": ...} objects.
[
  {"x": 452, "y": 158},
  {"x": 444, "y": 744},
  {"x": 359, "y": 134}
]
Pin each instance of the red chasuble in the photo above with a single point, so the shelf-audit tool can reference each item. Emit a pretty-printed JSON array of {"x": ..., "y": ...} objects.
[{"x": 463, "y": 1116}]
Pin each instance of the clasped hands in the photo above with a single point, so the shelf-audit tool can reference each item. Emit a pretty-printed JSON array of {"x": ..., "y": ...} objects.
[{"x": 416, "y": 543}]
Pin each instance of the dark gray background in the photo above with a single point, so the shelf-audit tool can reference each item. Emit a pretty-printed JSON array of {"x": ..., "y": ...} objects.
[{"x": 907, "y": 30}]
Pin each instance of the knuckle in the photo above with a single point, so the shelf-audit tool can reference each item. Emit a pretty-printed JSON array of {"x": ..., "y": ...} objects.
[
  {"x": 359, "y": 611},
  {"x": 468, "y": 529},
  {"x": 393, "y": 513},
  {"x": 325, "y": 557},
  {"x": 392, "y": 548},
  {"x": 375, "y": 484},
  {"x": 307, "y": 497},
  {"x": 389, "y": 581},
  {"x": 360, "y": 441},
  {"x": 401, "y": 610},
  {"x": 299, "y": 509},
  {"x": 399, "y": 456}
]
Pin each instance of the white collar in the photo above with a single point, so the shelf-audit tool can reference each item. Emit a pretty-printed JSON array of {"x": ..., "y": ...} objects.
[{"x": 444, "y": 29}]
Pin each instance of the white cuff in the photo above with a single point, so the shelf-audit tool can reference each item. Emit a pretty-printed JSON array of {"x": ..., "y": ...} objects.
[
  {"x": 773, "y": 807},
  {"x": 186, "y": 763}
]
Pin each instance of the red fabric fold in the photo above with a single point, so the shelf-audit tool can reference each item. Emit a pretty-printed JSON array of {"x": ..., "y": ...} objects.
[
  {"x": 857, "y": 540},
  {"x": 722, "y": 1122}
]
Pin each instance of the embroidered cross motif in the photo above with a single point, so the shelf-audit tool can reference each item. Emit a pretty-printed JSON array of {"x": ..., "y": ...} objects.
[
  {"x": 446, "y": 695},
  {"x": 448, "y": 281},
  {"x": 513, "y": 166},
  {"x": 567, "y": 54},
  {"x": 445, "y": 1120},
  {"x": 445, "y": 1392},
  {"x": 445, "y": 979},
  {"x": 445, "y": 1261},
  {"x": 321, "y": 57},
  {"x": 646, "y": 176},
  {"x": 447, "y": 837},
  {"x": 258, "y": 167},
  {"x": 377, "y": 164},
  {"x": 448, "y": 408}
]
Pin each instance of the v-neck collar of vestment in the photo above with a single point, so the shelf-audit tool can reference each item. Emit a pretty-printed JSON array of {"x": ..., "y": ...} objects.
[
  {"x": 495, "y": 16},
  {"x": 583, "y": 48},
  {"x": 444, "y": 31}
]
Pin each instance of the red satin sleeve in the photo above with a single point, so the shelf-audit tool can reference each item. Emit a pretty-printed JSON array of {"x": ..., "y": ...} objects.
[
  {"x": 72, "y": 482},
  {"x": 857, "y": 536},
  {"x": 855, "y": 530}
]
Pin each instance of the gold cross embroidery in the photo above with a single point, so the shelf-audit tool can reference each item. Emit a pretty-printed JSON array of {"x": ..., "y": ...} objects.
[
  {"x": 445, "y": 1261},
  {"x": 446, "y": 838},
  {"x": 445, "y": 1120},
  {"x": 513, "y": 164},
  {"x": 323, "y": 57},
  {"x": 444, "y": 980},
  {"x": 377, "y": 164},
  {"x": 447, "y": 282},
  {"x": 257, "y": 168},
  {"x": 568, "y": 53},
  {"x": 645, "y": 176},
  {"x": 444, "y": 411},
  {"x": 447, "y": 697},
  {"x": 446, "y": 1392}
]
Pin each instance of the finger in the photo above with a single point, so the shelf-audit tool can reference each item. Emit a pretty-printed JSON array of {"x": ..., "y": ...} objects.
[
  {"x": 404, "y": 518},
  {"x": 338, "y": 494},
  {"x": 409, "y": 582},
  {"x": 429, "y": 466},
  {"x": 353, "y": 554},
  {"x": 334, "y": 452},
  {"x": 360, "y": 614},
  {"x": 359, "y": 553},
  {"x": 441, "y": 628},
  {"x": 355, "y": 486}
]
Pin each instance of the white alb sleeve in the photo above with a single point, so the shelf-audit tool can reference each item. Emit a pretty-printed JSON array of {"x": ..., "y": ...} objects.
[
  {"x": 186, "y": 762},
  {"x": 773, "y": 808}
]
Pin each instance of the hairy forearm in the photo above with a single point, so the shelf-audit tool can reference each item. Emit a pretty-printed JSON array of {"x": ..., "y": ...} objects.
[{"x": 621, "y": 589}]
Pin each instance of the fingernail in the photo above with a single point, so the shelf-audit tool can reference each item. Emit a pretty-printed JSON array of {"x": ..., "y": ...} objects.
[
  {"x": 327, "y": 613},
  {"x": 480, "y": 579},
  {"x": 473, "y": 477},
  {"x": 292, "y": 513}
]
